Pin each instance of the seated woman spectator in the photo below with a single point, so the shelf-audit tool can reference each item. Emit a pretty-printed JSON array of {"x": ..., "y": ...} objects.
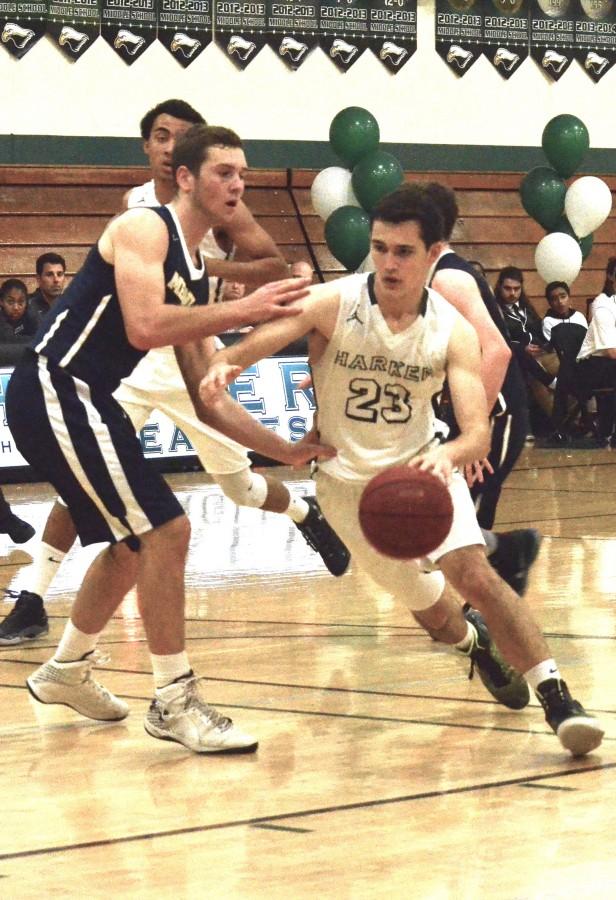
[
  {"x": 538, "y": 362},
  {"x": 597, "y": 356},
  {"x": 17, "y": 324}
]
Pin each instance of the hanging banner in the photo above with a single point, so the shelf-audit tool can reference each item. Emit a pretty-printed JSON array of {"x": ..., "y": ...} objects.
[
  {"x": 459, "y": 33},
  {"x": 552, "y": 35},
  {"x": 392, "y": 31},
  {"x": 22, "y": 24},
  {"x": 74, "y": 25},
  {"x": 344, "y": 30},
  {"x": 293, "y": 29},
  {"x": 239, "y": 29},
  {"x": 185, "y": 28},
  {"x": 506, "y": 25},
  {"x": 595, "y": 37},
  {"x": 129, "y": 26}
]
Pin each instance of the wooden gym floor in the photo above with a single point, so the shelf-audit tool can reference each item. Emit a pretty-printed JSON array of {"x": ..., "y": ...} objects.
[{"x": 382, "y": 771}]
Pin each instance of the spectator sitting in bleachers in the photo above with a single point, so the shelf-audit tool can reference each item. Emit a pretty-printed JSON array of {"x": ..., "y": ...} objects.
[
  {"x": 597, "y": 356},
  {"x": 561, "y": 312},
  {"x": 17, "y": 324},
  {"x": 538, "y": 362},
  {"x": 50, "y": 280}
]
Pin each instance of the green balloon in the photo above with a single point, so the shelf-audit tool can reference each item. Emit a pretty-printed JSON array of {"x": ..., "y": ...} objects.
[
  {"x": 353, "y": 133},
  {"x": 565, "y": 142},
  {"x": 375, "y": 176},
  {"x": 347, "y": 234},
  {"x": 586, "y": 245},
  {"x": 543, "y": 196},
  {"x": 564, "y": 226}
]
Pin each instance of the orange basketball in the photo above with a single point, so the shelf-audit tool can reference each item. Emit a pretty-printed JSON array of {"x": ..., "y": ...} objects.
[{"x": 405, "y": 513}]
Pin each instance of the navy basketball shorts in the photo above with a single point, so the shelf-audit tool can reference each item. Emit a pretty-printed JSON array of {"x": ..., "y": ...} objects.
[{"x": 80, "y": 439}]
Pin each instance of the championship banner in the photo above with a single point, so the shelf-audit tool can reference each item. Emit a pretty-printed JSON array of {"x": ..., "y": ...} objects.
[
  {"x": 22, "y": 24},
  {"x": 595, "y": 37},
  {"x": 552, "y": 35},
  {"x": 392, "y": 31},
  {"x": 185, "y": 28},
  {"x": 459, "y": 33},
  {"x": 129, "y": 26},
  {"x": 74, "y": 25},
  {"x": 506, "y": 25},
  {"x": 293, "y": 29},
  {"x": 239, "y": 29},
  {"x": 344, "y": 30}
]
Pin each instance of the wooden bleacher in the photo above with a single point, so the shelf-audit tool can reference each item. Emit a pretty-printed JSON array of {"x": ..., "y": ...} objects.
[{"x": 65, "y": 209}]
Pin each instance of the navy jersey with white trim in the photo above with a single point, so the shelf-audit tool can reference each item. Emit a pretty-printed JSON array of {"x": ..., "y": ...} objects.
[{"x": 85, "y": 333}]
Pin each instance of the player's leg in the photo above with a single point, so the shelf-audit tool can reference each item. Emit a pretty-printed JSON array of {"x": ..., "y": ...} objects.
[
  {"x": 424, "y": 592},
  {"x": 521, "y": 643},
  {"x": 28, "y": 618},
  {"x": 228, "y": 464}
]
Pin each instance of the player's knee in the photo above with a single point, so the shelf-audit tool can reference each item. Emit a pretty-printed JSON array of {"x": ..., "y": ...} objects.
[
  {"x": 245, "y": 488},
  {"x": 427, "y": 590}
]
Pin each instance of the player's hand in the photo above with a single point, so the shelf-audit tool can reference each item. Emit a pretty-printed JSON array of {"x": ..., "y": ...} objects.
[
  {"x": 473, "y": 472},
  {"x": 309, "y": 448},
  {"x": 214, "y": 383},
  {"x": 274, "y": 300},
  {"x": 436, "y": 461}
]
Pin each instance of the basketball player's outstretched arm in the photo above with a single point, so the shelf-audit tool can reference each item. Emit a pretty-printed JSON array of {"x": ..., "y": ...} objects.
[
  {"x": 136, "y": 244},
  {"x": 318, "y": 312},
  {"x": 470, "y": 407},
  {"x": 257, "y": 259},
  {"x": 230, "y": 418}
]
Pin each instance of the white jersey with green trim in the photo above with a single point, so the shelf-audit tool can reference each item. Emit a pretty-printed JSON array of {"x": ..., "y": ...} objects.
[{"x": 374, "y": 388}]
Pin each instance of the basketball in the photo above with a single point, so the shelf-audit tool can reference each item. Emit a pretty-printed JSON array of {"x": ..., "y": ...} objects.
[{"x": 405, "y": 513}]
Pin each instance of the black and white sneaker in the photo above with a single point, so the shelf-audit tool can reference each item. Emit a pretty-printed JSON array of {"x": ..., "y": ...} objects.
[
  {"x": 26, "y": 621},
  {"x": 319, "y": 535},
  {"x": 577, "y": 731},
  {"x": 514, "y": 556}
]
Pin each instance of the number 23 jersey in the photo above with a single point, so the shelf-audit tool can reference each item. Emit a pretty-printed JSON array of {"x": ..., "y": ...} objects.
[{"x": 374, "y": 387}]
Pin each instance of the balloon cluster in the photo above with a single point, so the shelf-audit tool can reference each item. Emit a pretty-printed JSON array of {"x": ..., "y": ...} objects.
[
  {"x": 343, "y": 197},
  {"x": 569, "y": 215}
]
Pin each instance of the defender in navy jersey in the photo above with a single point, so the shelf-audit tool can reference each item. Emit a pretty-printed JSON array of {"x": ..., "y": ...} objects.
[
  {"x": 381, "y": 345},
  {"x": 144, "y": 285},
  {"x": 511, "y": 553}
]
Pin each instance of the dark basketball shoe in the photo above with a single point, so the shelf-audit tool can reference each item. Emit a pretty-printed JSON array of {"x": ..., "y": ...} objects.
[
  {"x": 578, "y": 732},
  {"x": 18, "y": 530},
  {"x": 26, "y": 621},
  {"x": 319, "y": 535},
  {"x": 497, "y": 676},
  {"x": 514, "y": 556}
]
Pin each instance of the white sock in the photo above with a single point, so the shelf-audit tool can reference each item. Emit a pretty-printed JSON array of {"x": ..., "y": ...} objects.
[
  {"x": 169, "y": 667},
  {"x": 491, "y": 540},
  {"x": 298, "y": 509},
  {"x": 75, "y": 644},
  {"x": 542, "y": 672},
  {"x": 467, "y": 641},
  {"x": 47, "y": 560}
]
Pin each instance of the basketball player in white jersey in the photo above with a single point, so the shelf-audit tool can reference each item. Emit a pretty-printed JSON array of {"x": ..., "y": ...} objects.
[
  {"x": 381, "y": 347},
  {"x": 157, "y": 383}
]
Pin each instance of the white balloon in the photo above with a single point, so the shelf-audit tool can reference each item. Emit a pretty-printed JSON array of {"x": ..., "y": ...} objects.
[
  {"x": 332, "y": 189},
  {"x": 558, "y": 257},
  {"x": 588, "y": 202}
]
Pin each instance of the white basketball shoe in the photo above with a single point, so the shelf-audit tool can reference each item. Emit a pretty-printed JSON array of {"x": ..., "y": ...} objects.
[{"x": 71, "y": 684}]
